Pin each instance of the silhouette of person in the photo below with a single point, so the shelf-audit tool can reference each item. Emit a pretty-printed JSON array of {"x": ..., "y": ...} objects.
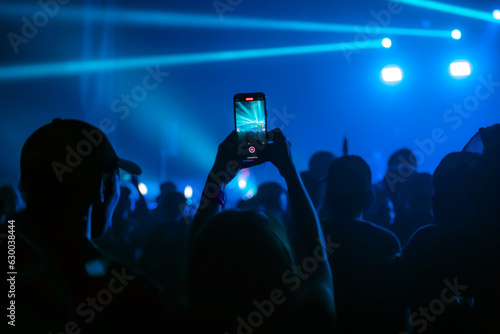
[
  {"x": 271, "y": 198},
  {"x": 434, "y": 255},
  {"x": 243, "y": 275},
  {"x": 453, "y": 264},
  {"x": 362, "y": 265},
  {"x": 69, "y": 171},
  {"x": 318, "y": 169}
]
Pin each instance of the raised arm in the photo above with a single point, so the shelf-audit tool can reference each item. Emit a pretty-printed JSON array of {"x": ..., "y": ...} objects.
[
  {"x": 225, "y": 168},
  {"x": 317, "y": 286}
]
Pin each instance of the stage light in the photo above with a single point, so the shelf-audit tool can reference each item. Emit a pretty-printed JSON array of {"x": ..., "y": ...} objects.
[
  {"x": 242, "y": 184},
  {"x": 248, "y": 195},
  {"x": 148, "y": 18},
  {"x": 392, "y": 74},
  {"x": 76, "y": 67},
  {"x": 386, "y": 43},
  {"x": 451, "y": 9},
  {"x": 456, "y": 34},
  {"x": 460, "y": 69},
  {"x": 496, "y": 14},
  {"x": 143, "y": 189},
  {"x": 188, "y": 192}
]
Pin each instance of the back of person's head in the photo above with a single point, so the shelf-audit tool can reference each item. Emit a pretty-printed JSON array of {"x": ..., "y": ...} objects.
[
  {"x": 63, "y": 167},
  {"x": 451, "y": 183},
  {"x": 165, "y": 189},
  {"x": 172, "y": 205},
  {"x": 402, "y": 157},
  {"x": 348, "y": 189},
  {"x": 319, "y": 162},
  {"x": 239, "y": 257},
  {"x": 401, "y": 167},
  {"x": 486, "y": 180},
  {"x": 272, "y": 196}
]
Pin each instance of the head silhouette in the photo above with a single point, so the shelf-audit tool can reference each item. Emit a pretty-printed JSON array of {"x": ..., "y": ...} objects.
[
  {"x": 348, "y": 190},
  {"x": 451, "y": 182},
  {"x": 319, "y": 162},
  {"x": 66, "y": 166},
  {"x": 238, "y": 257},
  {"x": 486, "y": 179}
]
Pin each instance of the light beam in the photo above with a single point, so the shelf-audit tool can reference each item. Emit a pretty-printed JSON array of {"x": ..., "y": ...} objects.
[
  {"x": 74, "y": 15},
  {"x": 77, "y": 67},
  {"x": 452, "y": 9}
]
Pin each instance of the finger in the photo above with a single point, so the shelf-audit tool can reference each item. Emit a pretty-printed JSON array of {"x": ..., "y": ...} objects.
[
  {"x": 276, "y": 130},
  {"x": 248, "y": 164},
  {"x": 277, "y": 133}
]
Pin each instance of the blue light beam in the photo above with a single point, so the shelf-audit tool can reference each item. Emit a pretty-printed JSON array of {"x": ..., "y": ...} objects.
[
  {"x": 77, "y": 67},
  {"x": 148, "y": 18},
  {"x": 452, "y": 9}
]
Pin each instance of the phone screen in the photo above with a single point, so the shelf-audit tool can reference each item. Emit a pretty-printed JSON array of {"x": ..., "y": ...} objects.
[{"x": 250, "y": 118}]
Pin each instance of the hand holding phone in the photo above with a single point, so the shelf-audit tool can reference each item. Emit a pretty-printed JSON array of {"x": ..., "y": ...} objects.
[{"x": 250, "y": 117}]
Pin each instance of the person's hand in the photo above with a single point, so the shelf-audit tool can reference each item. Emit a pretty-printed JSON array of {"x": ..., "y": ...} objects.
[
  {"x": 105, "y": 203},
  {"x": 228, "y": 161},
  {"x": 279, "y": 153}
]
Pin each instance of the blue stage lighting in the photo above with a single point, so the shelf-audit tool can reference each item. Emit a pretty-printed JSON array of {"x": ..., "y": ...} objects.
[
  {"x": 386, "y": 43},
  {"x": 392, "y": 74},
  {"x": 460, "y": 69},
  {"x": 143, "y": 189},
  {"x": 17, "y": 72},
  {"x": 248, "y": 195},
  {"x": 496, "y": 14},
  {"x": 148, "y": 18},
  {"x": 451, "y": 9},
  {"x": 188, "y": 192},
  {"x": 456, "y": 34}
]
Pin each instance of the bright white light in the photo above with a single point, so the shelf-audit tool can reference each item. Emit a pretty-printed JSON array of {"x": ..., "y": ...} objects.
[
  {"x": 143, "y": 189},
  {"x": 392, "y": 74},
  {"x": 460, "y": 68},
  {"x": 188, "y": 192},
  {"x": 386, "y": 43},
  {"x": 496, "y": 14},
  {"x": 248, "y": 195},
  {"x": 456, "y": 34},
  {"x": 242, "y": 184}
]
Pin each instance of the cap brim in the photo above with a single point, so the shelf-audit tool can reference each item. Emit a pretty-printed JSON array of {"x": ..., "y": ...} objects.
[{"x": 129, "y": 166}]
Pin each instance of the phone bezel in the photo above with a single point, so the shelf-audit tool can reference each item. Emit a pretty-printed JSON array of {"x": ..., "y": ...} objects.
[{"x": 241, "y": 97}]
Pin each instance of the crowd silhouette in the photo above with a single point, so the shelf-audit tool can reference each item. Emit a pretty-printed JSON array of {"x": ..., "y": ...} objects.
[{"x": 334, "y": 252}]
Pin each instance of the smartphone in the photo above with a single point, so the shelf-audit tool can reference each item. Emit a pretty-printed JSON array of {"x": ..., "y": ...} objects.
[{"x": 250, "y": 118}]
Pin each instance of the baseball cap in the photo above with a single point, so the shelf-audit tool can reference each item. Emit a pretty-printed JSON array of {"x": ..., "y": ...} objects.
[{"x": 65, "y": 149}]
